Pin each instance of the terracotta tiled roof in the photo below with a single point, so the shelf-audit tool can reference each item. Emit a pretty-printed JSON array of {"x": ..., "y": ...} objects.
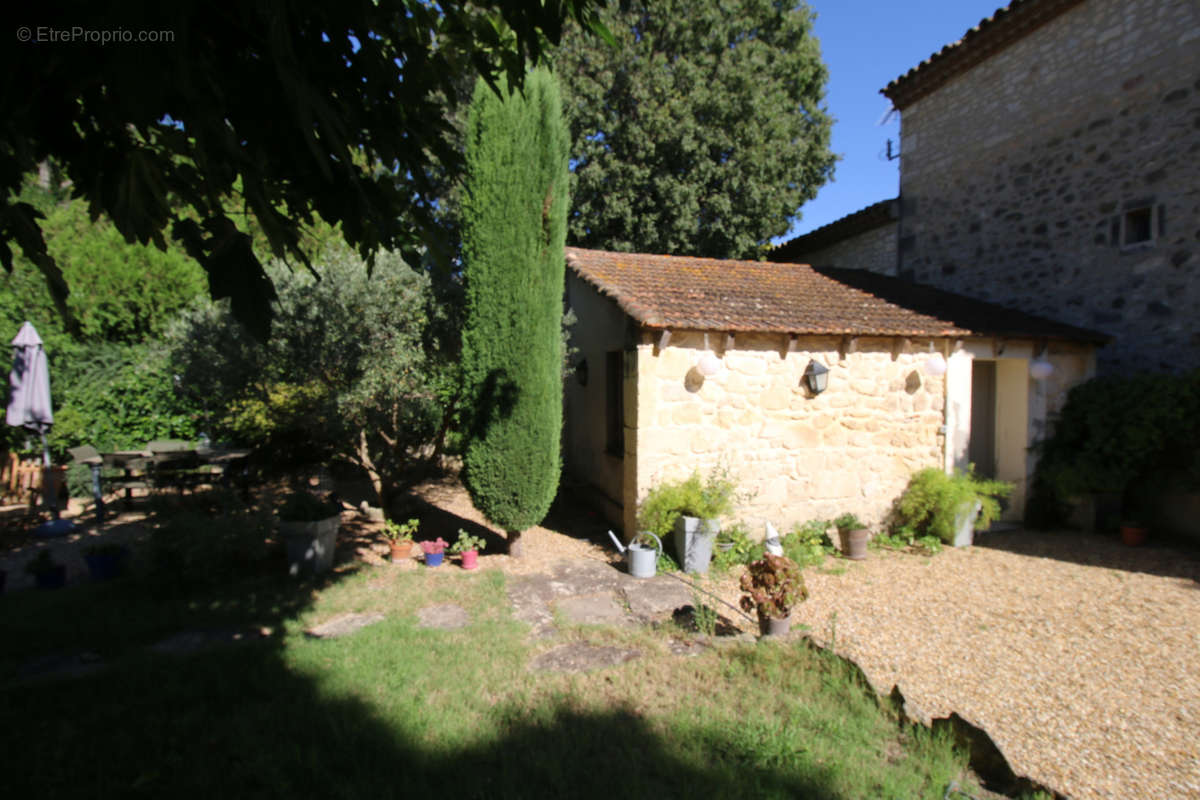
[
  {"x": 725, "y": 295},
  {"x": 885, "y": 212},
  {"x": 989, "y": 37}
]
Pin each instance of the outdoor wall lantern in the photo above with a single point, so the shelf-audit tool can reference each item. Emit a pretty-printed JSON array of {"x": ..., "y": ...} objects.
[
  {"x": 708, "y": 364},
  {"x": 935, "y": 365},
  {"x": 581, "y": 372},
  {"x": 1040, "y": 369},
  {"x": 816, "y": 377}
]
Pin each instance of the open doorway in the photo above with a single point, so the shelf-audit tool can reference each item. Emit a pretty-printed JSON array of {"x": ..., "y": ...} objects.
[{"x": 999, "y": 437}]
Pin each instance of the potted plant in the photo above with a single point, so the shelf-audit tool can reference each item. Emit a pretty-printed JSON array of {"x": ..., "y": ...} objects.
[
  {"x": 468, "y": 546},
  {"x": 400, "y": 538},
  {"x": 691, "y": 508},
  {"x": 949, "y": 507},
  {"x": 105, "y": 561},
  {"x": 773, "y": 586},
  {"x": 309, "y": 526},
  {"x": 434, "y": 551},
  {"x": 853, "y": 535},
  {"x": 46, "y": 572}
]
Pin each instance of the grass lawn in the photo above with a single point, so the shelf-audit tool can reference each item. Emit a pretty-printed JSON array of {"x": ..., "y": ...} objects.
[{"x": 395, "y": 710}]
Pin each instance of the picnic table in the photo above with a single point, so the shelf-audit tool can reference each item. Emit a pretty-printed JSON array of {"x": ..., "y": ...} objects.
[{"x": 159, "y": 464}]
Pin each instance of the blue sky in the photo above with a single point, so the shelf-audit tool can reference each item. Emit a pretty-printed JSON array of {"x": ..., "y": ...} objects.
[{"x": 866, "y": 44}]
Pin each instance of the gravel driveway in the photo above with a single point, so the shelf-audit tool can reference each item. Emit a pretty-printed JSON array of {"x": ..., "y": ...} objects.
[{"x": 1081, "y": 657}]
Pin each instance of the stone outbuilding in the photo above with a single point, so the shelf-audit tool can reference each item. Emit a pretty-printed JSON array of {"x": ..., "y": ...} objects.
[{"x": 686, "y": 363}]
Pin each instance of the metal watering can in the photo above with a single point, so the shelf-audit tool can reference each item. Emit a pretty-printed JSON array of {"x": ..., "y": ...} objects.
[{"x": 643, "y": 561}]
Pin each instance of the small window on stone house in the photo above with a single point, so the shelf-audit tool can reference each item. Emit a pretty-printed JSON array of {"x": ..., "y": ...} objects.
[
  {"x": 1139, "y": 223},
  {"x": 614, "y": 403}
]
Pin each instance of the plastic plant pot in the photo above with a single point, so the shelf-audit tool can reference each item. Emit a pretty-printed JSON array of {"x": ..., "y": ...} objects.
[
  {"x": 470, "y": 559},
  {"x": 434, "y": 559}
]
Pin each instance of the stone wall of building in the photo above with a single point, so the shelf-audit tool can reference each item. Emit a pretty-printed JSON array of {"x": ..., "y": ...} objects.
[
  {"x": 602, "y": 328},
  {"x": 873, "y": 250},
  {"x": 851, "y": 448},
  {"x": 1020, "y": 178}
]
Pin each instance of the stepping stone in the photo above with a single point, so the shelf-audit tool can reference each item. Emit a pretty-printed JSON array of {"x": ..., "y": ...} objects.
[
  {"x": 653, "y": 598},
  {"x": 595, "y": 609},
  {"x": 344, "y": 625},
  {"x": 571, "y": 578},
  {"x": 582, "y": 657},
  {"x": 444, "y": 617},
  {"x": 531, "y": 597}
]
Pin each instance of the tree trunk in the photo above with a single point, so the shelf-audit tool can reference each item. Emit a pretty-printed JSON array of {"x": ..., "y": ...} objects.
[{"x": 516, "y": 548}]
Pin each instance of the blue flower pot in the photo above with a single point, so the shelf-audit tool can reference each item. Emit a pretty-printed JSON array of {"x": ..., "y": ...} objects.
[{"x": 434, "y": 559}]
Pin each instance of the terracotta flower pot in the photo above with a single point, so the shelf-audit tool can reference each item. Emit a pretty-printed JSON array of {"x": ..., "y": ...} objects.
[
  {"x": 1133, "y": 535},
  {"x": 401, "y": 551}
]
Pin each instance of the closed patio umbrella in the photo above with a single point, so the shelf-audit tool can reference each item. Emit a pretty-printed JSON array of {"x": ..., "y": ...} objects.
[{"x": 29, "y": 404}]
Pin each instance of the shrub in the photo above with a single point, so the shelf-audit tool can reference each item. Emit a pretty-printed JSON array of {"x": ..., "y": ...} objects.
[
  {"x": 808, "y": 543},
  {"x": 743, "y": 549},
  {"x": 706, "y": 498},
  {"x": 932, "y": 500},
  {"x": 1113, "y": 431},
  {"x": 848, "y": 522}
]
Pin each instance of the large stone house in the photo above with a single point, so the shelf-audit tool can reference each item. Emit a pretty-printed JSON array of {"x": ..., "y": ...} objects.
[
  {"x": 686, "y": 363},
  {"x": 1050, "y": 163}
]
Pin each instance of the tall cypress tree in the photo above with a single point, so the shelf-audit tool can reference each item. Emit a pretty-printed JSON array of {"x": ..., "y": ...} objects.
[{"x": 513, "y": 230}]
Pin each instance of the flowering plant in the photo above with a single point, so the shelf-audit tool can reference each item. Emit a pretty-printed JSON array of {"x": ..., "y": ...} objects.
[{"x": 438, "y": 545}]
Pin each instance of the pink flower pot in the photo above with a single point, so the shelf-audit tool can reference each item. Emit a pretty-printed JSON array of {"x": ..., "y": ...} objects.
[{"x": 470, "y": 559}]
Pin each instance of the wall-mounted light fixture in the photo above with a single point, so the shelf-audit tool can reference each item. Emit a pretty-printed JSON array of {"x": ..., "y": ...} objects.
[
  {"x": 708, "y": 364},
  {"x": 581, "y": 372},
  {"x": 935, "y": 365},
  {"x": 1040, "y": 369},
  {"x": 816, "y": 377}
]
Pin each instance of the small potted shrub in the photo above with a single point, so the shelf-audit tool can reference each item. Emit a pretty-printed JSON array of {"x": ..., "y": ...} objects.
[
  {"x": 105, "y": 561},
  {"x": 435, "y": 551},
  {"x": 46, "y": 572},
  {"x": 468, "y": 546},
  {"x": 949, "y": 507},
  {"x": 773, "y": 586},
  {"x": 691, "y": 508},
  {"x": 309, "y": 526},
  {"x": 400, "y": 538},
  {"x": 853, "y": 535}
]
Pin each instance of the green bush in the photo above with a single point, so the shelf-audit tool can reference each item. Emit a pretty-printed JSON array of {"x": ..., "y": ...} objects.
[
  {"x": 1114, "y": 432},
  {"x": 707, "y": 498},
  {"x": 808, "y": 543},
  {"x": 848, "y": 522},
  {"x": 932, "y": 500},
  {"x": 742, "y": 548}
]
